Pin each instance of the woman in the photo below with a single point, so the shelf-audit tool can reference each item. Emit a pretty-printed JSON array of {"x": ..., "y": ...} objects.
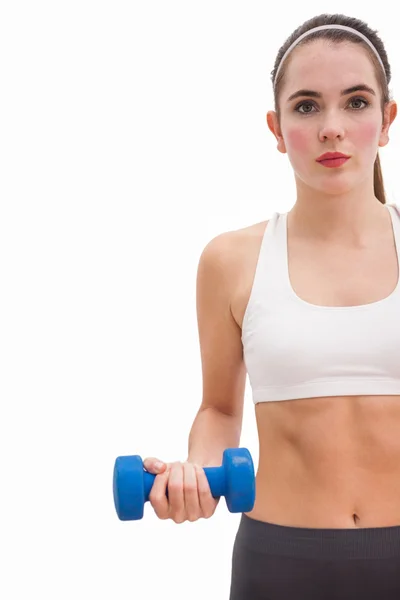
[{"x": 308, "y": 305}]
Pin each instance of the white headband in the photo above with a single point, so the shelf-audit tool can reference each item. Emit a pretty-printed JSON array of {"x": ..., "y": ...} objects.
[{"x": 320, "y": 28}]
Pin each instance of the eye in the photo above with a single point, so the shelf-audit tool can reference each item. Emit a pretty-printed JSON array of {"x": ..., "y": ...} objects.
[
  {"x": 309, "y": 103},
  {"x": 360, "y": 100}
]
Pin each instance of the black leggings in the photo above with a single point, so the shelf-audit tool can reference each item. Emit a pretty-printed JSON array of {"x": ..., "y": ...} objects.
[{"x": 276, "y": 562}]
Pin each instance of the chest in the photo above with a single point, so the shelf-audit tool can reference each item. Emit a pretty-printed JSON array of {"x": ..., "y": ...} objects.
[
  {"x": 343, "y": 277},
  {"x": 326, "y": 277}
]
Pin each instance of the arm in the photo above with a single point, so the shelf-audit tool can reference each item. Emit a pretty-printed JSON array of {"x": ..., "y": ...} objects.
[{"x": 218, "y": 422}]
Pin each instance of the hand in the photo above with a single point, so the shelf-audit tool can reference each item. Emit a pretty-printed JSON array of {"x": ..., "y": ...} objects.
[{"x": 189, "y": 495}]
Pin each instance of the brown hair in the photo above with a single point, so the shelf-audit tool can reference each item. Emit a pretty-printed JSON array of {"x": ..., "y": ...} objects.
[{"x": 337, "y": 36}]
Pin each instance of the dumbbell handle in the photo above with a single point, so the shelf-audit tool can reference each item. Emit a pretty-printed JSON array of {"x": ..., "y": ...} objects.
[{"x": 215, "y": 477}]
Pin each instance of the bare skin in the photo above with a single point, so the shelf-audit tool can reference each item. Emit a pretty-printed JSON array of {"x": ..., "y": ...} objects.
[
  {"x": 330, "y": 462},
  {"x": 333, "y": 461}
]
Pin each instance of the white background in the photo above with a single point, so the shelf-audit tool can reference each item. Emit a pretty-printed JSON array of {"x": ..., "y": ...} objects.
[{"x": 131, "y": 134}]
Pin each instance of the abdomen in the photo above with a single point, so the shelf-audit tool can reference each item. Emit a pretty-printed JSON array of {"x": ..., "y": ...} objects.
[{"x": 329, "y": 462}]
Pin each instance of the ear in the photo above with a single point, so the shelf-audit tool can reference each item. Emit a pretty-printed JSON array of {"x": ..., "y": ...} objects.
[
  {"x": 390, "y": 114},
  {"x": 273, "y": 124}
]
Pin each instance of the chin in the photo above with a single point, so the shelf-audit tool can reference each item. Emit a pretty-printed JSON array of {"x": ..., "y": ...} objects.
[{"x": 329, "y": 186}]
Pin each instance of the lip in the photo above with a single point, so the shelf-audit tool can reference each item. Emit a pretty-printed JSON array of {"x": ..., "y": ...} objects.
[
  {"x": 331, "y": 155},
  {"x": 333, "y": 163}
]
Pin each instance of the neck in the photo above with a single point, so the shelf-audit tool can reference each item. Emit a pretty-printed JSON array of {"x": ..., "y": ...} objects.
[{"x": 348, "y": 221}]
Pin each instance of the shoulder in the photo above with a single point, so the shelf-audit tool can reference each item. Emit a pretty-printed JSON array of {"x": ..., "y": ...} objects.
[
  {"x": 229, "y": 249},
  {"x": 228, "y": 264}
]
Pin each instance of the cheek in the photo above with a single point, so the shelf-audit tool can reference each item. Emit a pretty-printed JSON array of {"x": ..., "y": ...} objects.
[
  {"x": 297, "y": 140},
  {"x": 366, "y": 136},
  {"x": 299, "y": 144}
]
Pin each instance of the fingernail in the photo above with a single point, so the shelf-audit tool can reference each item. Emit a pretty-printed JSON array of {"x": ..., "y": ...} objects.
[{"x": 158, "y": 465}]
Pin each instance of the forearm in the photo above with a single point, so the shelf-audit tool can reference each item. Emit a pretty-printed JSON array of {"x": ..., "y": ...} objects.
[{"x": 211, "y": 433}]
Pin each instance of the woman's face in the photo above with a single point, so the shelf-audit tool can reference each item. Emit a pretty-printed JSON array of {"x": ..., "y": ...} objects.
[{"x": 334, "y": 121}]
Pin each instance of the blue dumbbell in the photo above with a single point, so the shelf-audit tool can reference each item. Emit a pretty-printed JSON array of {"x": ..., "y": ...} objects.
[{"x": 235, "y": 480}]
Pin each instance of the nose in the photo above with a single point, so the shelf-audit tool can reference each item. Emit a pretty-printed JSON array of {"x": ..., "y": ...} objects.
[{"x": 331, "y": 129}]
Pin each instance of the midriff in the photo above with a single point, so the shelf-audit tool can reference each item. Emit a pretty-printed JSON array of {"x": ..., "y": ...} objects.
[{"x": 329, "y": 462}]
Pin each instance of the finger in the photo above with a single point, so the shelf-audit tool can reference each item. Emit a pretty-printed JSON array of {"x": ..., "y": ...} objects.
[
  {"x": 191, "y": 495},
  {"x": 158, "y": 495},
  {"x": 154, "y": 465},
  {"x": 207, "y": 502},
  {"x": 175, "y": 493}
]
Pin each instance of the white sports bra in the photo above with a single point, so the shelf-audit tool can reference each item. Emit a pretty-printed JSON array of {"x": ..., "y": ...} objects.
[{"x": 293, "y": 349}]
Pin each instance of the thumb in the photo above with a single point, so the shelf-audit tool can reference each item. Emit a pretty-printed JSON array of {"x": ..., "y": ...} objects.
[{"x": 154, "y": 465}]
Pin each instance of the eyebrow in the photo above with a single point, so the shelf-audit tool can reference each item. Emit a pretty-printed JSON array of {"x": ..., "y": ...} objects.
[{"x": 361, "y": 87}]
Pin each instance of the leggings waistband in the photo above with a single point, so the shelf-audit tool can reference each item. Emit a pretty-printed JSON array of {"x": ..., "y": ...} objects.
[{"x": 302, "y": 542}]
